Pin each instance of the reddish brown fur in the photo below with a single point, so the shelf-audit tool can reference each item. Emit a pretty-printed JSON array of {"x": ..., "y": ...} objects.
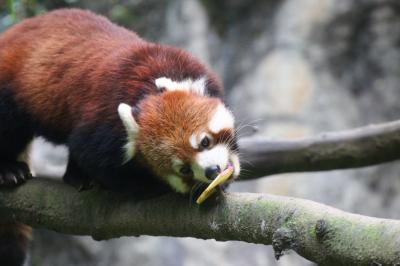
[
  {"x": 224, "y": 136},
  {"x": 60, "y": 65},
  {"x": 174, "y": 116},
  {"x": 68, "y": 70}
]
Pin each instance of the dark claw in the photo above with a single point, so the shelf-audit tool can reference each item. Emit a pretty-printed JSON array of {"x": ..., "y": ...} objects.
[
  {"x": 14, "y": 179},
  {"x": 26, "y": 173},
  {"x": 20, "y": 175},
  {"x": 75, "y": 177},
  {"x": 14, "y": 173},
  {"x": 78, "y": 179},
  {"x": 86, "y": 185}
]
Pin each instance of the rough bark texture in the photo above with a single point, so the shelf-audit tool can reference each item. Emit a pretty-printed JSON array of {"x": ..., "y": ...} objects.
[
  {"x": 359, "y": 147},
  {"x": 320, "y": 233},
  {"x": 317, "y": 232}
]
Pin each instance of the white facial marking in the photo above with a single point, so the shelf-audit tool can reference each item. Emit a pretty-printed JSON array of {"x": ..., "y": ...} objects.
[
  {"x": 197, "y": 86},
  {"x": 164, "y": 83},
  {"x": 221, "y": 119},
  {"x": 193, "y": 141},
  {"x": 219, "y": 155},
  {"x": 132, "y": 130},
  {"x": 176, "y": 164},
  {"x": 177, "y": 184}
]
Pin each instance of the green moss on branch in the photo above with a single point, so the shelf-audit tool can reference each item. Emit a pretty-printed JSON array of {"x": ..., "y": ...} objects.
[{"x": 320, "y": 233}]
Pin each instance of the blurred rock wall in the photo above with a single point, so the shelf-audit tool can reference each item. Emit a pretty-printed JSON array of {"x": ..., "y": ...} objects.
[{"x": 292, "y": 68}]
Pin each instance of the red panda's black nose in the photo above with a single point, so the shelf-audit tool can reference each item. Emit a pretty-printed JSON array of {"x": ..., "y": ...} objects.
[{"x": 212, "y": 172}]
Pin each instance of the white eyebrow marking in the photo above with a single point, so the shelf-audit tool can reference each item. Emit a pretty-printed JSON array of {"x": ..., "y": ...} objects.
[
  {"x": 222, "y": 118},
  {"x": 197, "y": 86},
  {"x": 193, "y": 141}
]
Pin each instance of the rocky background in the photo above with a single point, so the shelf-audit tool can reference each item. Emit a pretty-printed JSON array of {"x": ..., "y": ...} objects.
[{"x": 292, "y": 68}]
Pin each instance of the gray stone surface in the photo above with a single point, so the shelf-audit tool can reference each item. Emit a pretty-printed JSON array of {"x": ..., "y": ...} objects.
[{"x": 293, "y": 68}]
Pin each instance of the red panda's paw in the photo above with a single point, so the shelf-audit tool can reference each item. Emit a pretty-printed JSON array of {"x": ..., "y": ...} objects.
[
  {"x": 13, "y": 173},
  {"x": 80, "y": 182},
  {"x": 75, "y": 177}
]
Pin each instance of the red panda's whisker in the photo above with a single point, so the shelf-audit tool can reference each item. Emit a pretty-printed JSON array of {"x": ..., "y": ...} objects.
[
  {"x": 246, "y": 161},
  {"x": 244, "y": 125},
  {"x": 245, "y": 173}
]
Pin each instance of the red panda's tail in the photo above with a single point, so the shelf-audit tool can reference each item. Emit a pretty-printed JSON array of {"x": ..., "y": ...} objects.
[{"x": 14, "y": 243}]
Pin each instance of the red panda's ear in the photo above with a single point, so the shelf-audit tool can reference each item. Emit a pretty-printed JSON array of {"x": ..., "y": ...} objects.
[
  {"x": 165, "y": 83},
  {"x": 196, "y": 86},
  {"x": 131, "y": 127}
]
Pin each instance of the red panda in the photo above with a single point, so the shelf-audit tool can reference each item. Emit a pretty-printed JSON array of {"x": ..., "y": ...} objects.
[{"x": 136, "y": 116}]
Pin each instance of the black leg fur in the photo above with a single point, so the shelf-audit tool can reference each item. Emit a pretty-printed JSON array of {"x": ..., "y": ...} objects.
[
  {"x": 13, "y": 173},
  {"x": 97, "y": 151},
  {"x": 15, "y": 134},
  {"x": 75, "y": 177}
]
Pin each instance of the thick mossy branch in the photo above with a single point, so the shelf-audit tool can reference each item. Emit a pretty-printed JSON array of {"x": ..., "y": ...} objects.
[
  {"x": 320, "y": 233},
  {"x": 359, "y": 147}
]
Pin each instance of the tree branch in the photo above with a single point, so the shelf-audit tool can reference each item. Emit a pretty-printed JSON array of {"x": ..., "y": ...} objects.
[
  {"x": 359, "y": 147},
  {"x": 319, "y": 233}
]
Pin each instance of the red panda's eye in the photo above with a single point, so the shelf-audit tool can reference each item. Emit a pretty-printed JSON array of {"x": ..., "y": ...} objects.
[
  {"x": 185, "y": 170},
  {"x": 205, "y": 142}
]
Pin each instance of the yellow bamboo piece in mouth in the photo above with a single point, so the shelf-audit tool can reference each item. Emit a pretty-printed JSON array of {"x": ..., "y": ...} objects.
[{"x": 221, "y": 178}]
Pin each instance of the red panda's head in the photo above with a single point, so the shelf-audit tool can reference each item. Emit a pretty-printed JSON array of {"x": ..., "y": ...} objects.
[{"x": 183, "y": 135}]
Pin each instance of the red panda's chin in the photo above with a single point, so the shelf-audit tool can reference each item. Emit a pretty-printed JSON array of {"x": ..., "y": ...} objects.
[
  {"x": 178, "y": 184},
  {"x": 187, "y": 185}
]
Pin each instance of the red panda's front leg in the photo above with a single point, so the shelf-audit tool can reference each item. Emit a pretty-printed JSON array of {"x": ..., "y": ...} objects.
[
  {"x": 15, "y": 134},
  {"x": 97, "y": 154},
  {"x": 76, "y": 177},
  {"x": 13, "y": 173}
]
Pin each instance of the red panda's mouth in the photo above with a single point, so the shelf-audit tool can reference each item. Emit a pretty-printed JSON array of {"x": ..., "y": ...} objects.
[
  {"x": 235, "y": 164},
  {"x": 221, "y": 180},
  {"x": 229, "y": 165}
]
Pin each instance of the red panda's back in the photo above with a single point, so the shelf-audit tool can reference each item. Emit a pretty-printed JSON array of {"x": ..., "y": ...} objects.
[
  {"x": 54, "y": 62},
  {"x": 58, "y": 36}
]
